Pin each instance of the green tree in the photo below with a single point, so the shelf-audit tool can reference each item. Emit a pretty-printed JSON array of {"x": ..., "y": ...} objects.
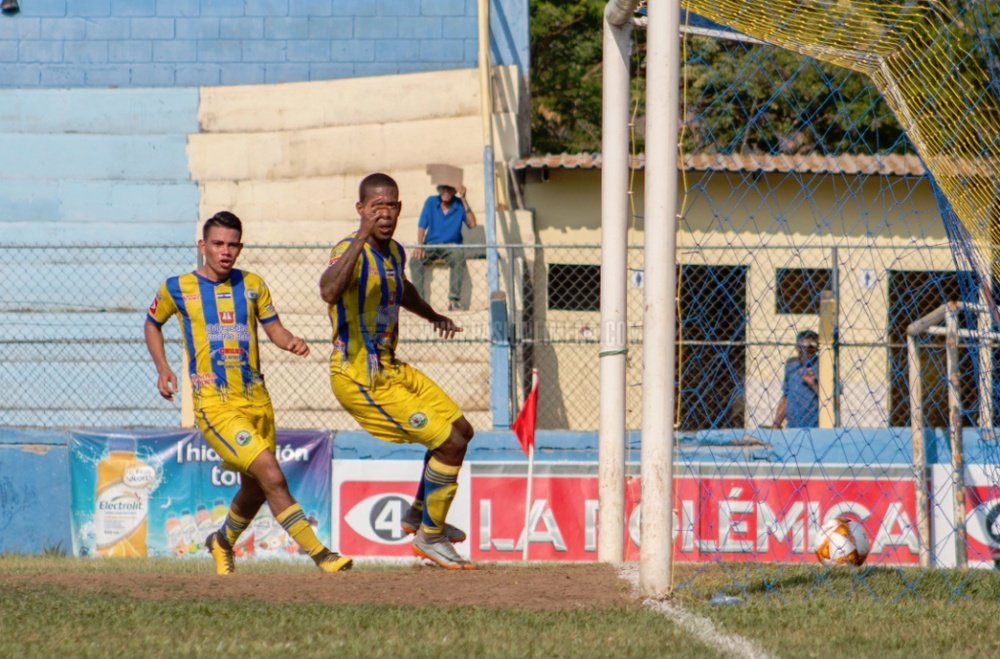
[
  {"x": 566, "y": 75},
  {"x": 762, "y": 99},
  {"x": 737, "y": 97}
]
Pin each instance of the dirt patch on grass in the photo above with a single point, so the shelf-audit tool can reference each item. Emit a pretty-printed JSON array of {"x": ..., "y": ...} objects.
[{"x": 557, "y": 587}]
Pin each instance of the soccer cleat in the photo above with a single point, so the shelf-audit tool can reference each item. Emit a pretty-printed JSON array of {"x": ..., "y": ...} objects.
[
  {"x": 441, "y": 553},
  {"x": 411, "y": 524},
  {"x": 330, "y": 562},
  {"x": 222, "y": 554}
]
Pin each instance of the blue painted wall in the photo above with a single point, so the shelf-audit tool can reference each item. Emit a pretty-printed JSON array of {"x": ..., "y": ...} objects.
[
  {"x": 185, "y": 43},
  {"x": 34, "y": 492}
]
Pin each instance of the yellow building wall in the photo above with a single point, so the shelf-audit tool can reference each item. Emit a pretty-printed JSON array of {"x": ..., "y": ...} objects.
[{"x": 871, "y": 225}]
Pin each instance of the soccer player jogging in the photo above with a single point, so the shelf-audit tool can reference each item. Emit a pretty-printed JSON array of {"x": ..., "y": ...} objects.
[
  {"x": 218, "y": 308},
  {"x": 365, "y": 286}
]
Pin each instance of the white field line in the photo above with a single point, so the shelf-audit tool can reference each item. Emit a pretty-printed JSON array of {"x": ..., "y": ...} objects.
[{"x": 731, "y": 645}]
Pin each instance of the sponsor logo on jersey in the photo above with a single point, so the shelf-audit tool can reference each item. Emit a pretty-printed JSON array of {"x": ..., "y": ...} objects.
[
  {"x": 229, "y": 356},
  {"x": 418, "y": 420},
  {"x": 227, "y": 317},
  {"x": 154, "y": 305},
  {"x": 217, "y": 332},
  {"x": 190, "y": 297},
  {"x": 242, "y": 438}
]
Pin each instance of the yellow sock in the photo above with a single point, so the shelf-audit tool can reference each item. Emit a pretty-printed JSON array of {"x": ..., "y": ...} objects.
[
  {"x": 440, "y": 486},
  {"x": 294, "y": 521},
  {"x": 233, "y": 527}
]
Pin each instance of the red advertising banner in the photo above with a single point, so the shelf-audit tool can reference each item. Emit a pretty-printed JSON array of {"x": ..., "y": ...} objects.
[
  {"x": 731, "y": 519},
  {"x": 983, "y": 522},
  {"x": 369, "y": 499}
]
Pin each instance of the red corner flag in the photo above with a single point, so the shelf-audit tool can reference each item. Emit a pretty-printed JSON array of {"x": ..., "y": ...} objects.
[{"x": 524, "y": 425}]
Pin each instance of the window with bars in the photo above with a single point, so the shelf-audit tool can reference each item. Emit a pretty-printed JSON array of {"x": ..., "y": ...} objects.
[
  {"x": 574, "y": 287},
  {"x": 711, "y": 352},
  {"x": 797, "y": 290}
]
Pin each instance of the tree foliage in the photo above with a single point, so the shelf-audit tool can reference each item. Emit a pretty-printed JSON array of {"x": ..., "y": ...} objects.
[
  {"x": 737, "y": 97},
  {"x": 566, "y": 75}
]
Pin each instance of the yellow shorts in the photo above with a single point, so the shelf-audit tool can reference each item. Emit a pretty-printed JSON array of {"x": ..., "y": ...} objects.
[
  {"x": 238, "y": 430},
  {"x": 404, "y": 406}
]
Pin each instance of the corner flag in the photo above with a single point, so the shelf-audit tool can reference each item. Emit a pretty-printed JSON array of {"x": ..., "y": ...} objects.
[
  {"x": 524, "y": 429},
  {"x": 524, "y": 424}
]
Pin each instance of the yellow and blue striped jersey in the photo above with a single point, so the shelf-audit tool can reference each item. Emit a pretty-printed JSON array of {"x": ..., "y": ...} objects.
[
  {"x": 366, "y": 318},
  {"x": 218, "y": 329}
]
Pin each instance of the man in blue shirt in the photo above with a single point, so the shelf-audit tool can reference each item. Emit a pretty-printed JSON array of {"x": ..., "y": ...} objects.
[
  {"x": 440, "y": 225},
  {"x": 799, "y": 403}
]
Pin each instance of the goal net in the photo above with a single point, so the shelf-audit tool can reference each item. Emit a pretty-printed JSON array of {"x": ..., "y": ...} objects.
[{"x": 837, "y": 274}]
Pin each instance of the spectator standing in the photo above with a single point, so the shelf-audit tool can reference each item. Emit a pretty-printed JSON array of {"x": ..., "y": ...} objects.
[{"x": 799, "y": 404}]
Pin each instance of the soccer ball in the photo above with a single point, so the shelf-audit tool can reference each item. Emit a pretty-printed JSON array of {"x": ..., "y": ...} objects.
[{"x": 842, "y": 541}]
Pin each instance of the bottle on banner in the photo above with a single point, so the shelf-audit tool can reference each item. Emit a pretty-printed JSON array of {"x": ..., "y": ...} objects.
[
  {"x": 219, "y": 510},
  {"x": 187, "y": 533},
  {"x": 172, "y": 528},
  {"x": 203, "y": 520},
  {"x": 122, "y": 501}
]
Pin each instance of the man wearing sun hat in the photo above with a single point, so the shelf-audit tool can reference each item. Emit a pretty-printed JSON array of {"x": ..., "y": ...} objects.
[{"x": 440, "y": 229}]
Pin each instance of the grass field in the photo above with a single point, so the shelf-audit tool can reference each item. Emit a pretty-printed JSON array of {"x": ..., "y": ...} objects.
[{"x": 69, "y": 607}]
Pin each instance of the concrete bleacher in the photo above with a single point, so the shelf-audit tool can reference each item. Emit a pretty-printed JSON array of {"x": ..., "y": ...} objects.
[
  {"x": 97, "y": 166},
  {"x": 88, "y": 175},
  {"x": 288, "y": 159}
]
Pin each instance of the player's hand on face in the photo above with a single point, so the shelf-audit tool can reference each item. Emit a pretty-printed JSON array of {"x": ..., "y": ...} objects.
[
  {"x": 369, "y": 217},
  {"x": 167, "y": 384},
  {"x": 808, "y": 376},
  {"x": 446, "y": 327},
  {"x": 298, "y": 346}
]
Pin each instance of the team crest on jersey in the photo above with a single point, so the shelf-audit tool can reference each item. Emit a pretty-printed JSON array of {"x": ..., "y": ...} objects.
[
  {"x": 154, "y": 305},
  {"x": 418, "y": 420},
  {"x": 227, "y": 317},
  {"x": 242, "y": 438}
]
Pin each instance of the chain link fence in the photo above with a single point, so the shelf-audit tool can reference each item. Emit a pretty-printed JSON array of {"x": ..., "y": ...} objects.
[{"x": 73, "y": 352}]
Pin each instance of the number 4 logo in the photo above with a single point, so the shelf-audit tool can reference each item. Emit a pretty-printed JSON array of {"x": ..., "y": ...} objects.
[{"x": 378, "y": 517}]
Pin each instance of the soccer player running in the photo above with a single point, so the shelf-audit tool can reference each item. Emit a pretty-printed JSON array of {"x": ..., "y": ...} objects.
[
  {"x": 364, "y": 286},
  {"x": 218, "y": 308}
]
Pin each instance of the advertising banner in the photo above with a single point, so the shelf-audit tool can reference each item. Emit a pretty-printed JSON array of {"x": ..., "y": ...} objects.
[
  {"x": 718, "y": 517},
  {"x": 982, "y": 517},
  {"x": 369, "y": 499},
  {"x": 161, "y": 493}
]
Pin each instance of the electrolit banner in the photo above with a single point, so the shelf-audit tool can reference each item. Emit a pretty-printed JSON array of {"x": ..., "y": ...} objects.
[{"x": 161, "y": 493}]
